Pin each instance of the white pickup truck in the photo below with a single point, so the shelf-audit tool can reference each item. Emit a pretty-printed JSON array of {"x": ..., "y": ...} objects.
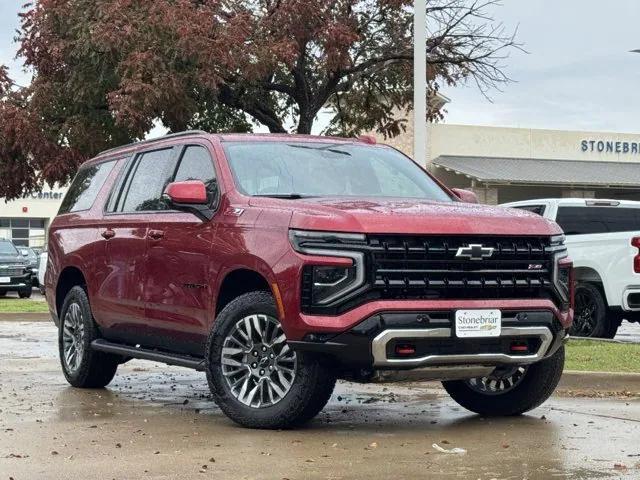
[{"x": 603, "y": 239}]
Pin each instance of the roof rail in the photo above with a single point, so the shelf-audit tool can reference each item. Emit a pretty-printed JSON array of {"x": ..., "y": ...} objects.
[{"x": 151, "y": 140}]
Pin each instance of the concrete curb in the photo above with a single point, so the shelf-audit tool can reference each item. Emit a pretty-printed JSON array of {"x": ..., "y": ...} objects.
[
  {"x": 600, "y": 382},
  {"x": 25, "y": 317}
]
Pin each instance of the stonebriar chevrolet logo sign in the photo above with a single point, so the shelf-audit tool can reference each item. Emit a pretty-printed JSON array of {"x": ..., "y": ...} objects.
[{"x": 610, "y": 146}]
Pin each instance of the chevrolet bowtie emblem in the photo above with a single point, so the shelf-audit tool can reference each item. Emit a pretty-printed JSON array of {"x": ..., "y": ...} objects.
[{"x": 474, "y": 252}]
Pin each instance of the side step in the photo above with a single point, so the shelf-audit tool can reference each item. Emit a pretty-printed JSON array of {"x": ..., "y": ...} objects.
[{"x": 148, "y": 354}]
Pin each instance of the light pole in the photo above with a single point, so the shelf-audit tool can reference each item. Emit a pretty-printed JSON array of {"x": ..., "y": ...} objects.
[{"x": 420, "y": 82}]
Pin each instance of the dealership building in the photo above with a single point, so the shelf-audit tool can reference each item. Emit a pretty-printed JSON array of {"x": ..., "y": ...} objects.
[
  {"x": 26, "y": 221},
  {"x": 509, "y": 164},
  {"x": 499, "y": 164}
]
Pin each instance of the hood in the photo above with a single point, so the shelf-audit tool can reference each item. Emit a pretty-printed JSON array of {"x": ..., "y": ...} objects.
[
  {"x": 415, "y": 217},
  {"x": 8, "y": 258}
]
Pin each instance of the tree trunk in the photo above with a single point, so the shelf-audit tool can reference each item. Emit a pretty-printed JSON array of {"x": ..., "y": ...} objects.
[{"x": 305, "y": 123}]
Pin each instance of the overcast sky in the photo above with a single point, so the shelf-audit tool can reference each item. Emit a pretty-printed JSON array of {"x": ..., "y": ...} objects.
[{"x": 577, "y": 75}]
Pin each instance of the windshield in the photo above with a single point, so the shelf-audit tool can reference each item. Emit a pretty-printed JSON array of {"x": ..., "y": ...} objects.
[
  {"x": 7, "y": 248},
  {"x": 301, "y": 169}
]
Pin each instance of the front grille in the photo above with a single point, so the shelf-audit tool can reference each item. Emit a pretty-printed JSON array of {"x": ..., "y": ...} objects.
[
  {"x": 11, "y": 271},
  {"x": 422, "y": 267},
  {"x": 427, "y": 267}
]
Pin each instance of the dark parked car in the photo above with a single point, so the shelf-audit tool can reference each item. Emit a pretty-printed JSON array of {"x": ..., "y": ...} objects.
[
  {"x": 278, "y": 263},
  {"x": 15, "y": 274},
  {"x": 33, "y": 261}
]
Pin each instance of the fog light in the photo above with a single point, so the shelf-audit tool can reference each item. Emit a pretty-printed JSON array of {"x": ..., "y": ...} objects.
[
  {"x": 405, "y": 350},
  {"x": 519, "y": 347}
]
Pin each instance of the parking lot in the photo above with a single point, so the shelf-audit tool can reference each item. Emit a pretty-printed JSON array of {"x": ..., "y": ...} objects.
[{"x": 159, "y": 422}]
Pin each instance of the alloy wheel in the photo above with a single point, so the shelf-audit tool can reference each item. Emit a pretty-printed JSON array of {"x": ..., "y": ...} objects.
[
  {"x": 73, "y": 337},
  {"x": 257, "y": 364},
  {"x": 501, "y": 380},
  {"x": 584, "y": 320}
]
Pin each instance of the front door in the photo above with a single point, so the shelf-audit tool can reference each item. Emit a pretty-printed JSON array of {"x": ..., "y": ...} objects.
[{"x": 177, "y": 288}]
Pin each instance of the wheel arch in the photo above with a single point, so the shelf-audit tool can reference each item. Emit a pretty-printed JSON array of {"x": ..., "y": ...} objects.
[
  {"x": 239, "y": 281},
  {"x": 591, "y": 275},
  {"x": 69, "y": 277}
]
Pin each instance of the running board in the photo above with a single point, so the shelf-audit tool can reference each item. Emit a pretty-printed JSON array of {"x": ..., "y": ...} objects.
[{"x": 195, "y": 363}]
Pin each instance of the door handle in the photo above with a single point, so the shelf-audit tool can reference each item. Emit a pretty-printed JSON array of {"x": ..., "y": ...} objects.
[
  {"x": 156, "y": 234},
  {"x": 108, "y": 234}
]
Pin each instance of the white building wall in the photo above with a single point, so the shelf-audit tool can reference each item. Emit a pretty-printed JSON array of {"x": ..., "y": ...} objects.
[
  {"x": 43, "y": 205},
  {"x": 479, "y": 141}
]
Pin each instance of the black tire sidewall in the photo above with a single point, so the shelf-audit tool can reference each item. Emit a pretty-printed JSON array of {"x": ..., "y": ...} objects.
[
  {"x": 96, "y": 369},
  {"x": 539, "y": 382},
  {"x": 602, "y": 322},
  {"x": 295, "y": 407},
  {"x": 26, "y": 293}
]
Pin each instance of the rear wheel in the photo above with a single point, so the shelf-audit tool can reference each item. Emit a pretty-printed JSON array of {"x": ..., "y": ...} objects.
[
  {"x": 82, "y": 366},
  {"x": 590, "y": 318},
  {"x": 3, "y": 293},
  {"x": 509, "y": 390},
  {"x": 255, "y": 377}
]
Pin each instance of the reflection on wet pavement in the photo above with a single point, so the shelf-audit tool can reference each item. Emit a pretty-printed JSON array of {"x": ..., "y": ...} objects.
[{"x": 159, "y": 422}]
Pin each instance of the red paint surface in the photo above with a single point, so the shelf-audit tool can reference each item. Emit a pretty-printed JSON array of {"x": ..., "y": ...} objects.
[{"x": 136, "y": 277}]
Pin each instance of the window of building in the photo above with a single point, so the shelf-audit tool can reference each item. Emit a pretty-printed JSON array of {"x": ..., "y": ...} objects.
[
  {"x": 589, "y": 220},
  {"x": 85, "y": 187},
  {"x": 23, "y": 232}
]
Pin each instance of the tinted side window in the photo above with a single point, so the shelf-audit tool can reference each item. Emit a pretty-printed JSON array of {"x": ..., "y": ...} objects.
[
  {"x": 85, "y": 187},
  {"x": 196, "y": 165},
  {"x": 587, "y": 220},
  {"x": 148, "y": 179},
  {"x": 538, "y": 209}
]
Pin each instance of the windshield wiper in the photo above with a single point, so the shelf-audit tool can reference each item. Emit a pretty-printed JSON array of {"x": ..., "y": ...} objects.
[{"x": 290, "y": 196}]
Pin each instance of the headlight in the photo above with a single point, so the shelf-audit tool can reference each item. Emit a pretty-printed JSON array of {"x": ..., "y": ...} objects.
[
  {"x": 304, "y": 240},
  {"x": 328, "y": 283}
]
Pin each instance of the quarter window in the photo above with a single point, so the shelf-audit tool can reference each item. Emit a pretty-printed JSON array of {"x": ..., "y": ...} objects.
[
  {"x": 538, "y": 209},
  {"x": 85, "y": 187}
]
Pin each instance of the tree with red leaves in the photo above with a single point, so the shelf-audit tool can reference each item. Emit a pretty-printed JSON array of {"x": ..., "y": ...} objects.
[{"x": 105, "y": 71}]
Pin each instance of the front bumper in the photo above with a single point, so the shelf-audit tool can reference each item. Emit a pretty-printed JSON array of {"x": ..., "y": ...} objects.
[
  {"x": 373, "y": 344},
  {"x": 17, "y": 283}
]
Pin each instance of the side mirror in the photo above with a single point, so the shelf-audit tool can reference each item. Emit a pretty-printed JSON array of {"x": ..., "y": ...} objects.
[
  {"x": 466, "y": 196},
  {"x": 190, "y": 196}
]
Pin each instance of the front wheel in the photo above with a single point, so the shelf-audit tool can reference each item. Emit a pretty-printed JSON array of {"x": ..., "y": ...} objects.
[
  {"x": 82, "y": 366},
  {"x": 509, "y": 390},
  {"x": 25, "y": 293},
  {"x": 256, "y": 379}
]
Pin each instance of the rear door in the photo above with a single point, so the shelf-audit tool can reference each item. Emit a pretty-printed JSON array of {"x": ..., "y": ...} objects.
[
  {"x": 177, "y": 288},
  {"x": 135, "y": 199}
]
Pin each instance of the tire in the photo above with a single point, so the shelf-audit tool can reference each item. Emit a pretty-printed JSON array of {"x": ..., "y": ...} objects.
[
  {"x": 531, "y": 390},
  {"x": 88, "y": 369},
  {"x": 590, "y": 318},
  {"x": 25, "y": 293},
  {"x": 3, "y": 293},
  {"x": 308, "y": 391},
  {"x": 613, "y": 323}
]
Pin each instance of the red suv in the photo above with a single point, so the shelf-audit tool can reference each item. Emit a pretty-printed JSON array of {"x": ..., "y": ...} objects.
[{"x": 279, "y": 263}]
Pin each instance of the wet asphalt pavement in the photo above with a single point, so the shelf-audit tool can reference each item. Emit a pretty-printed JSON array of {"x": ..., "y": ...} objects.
[{"x": 159, "y": 422}]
